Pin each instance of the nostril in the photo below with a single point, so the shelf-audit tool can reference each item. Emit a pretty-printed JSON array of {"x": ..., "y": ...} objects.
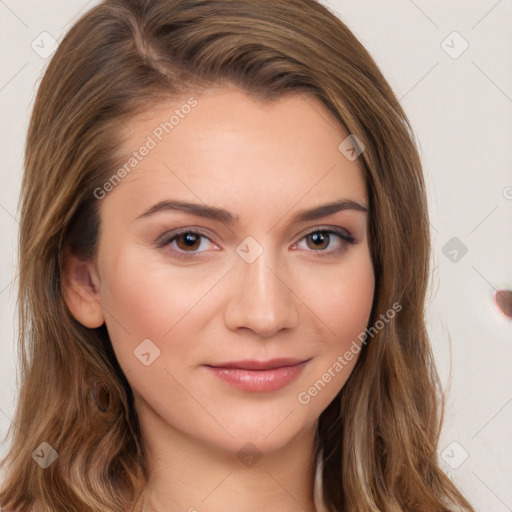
[{"x": 503, "y": 301}]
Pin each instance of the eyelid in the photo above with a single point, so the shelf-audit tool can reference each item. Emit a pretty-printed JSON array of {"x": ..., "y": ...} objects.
[
  {"x": 333, "y": 229},
  {"x": 169, "y": 235}
]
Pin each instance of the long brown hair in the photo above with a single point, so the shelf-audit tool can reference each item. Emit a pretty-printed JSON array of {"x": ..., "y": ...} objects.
[{"x": 378, "y": 438}]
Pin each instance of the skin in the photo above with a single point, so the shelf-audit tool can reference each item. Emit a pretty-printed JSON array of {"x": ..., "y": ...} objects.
[{"x": 263, "y": 162}]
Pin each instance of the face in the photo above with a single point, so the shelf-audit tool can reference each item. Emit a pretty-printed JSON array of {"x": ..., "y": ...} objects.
[{"x": 229, "y": 307}]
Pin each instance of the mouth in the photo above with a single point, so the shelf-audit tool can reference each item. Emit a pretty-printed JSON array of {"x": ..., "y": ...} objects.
[{"x": 259, "y": 376}]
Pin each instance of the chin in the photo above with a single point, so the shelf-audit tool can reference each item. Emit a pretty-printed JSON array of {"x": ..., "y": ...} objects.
[{"x": 259, "y": 432}]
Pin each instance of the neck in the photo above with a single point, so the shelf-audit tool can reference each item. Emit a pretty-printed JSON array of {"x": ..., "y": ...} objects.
[{"x": 188, "y": 475}]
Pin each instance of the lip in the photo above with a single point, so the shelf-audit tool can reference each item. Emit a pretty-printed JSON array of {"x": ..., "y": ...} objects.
[{"x": 259, "y": 376}]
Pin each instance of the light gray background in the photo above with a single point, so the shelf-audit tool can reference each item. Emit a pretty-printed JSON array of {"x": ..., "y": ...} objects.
[{"x": 461, "y": 110}]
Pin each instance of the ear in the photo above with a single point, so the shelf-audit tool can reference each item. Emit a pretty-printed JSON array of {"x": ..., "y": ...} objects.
[{"x": 80, "y": 289}]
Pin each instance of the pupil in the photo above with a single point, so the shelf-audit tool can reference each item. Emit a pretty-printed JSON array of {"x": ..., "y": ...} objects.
[
  {"x": 318, "y": 238},
  {"x": 190, "y": 239}
]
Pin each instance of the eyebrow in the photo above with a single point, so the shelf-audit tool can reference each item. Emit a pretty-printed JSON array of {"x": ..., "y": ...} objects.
[{"x": 229, "y": 218}]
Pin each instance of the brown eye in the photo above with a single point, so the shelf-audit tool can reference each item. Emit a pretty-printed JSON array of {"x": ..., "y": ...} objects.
[
  {"x": 186, "y": 243},
  {"x": 189, "y": 240},
  {"x": 327, "y": 242},
  {"x": 320, "y": 240}
]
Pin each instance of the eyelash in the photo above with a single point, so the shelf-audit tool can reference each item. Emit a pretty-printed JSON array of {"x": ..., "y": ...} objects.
[{"x": 345, "y": 236}]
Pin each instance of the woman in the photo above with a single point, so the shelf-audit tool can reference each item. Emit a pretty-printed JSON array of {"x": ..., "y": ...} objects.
[{"x": 224, "y": 255}]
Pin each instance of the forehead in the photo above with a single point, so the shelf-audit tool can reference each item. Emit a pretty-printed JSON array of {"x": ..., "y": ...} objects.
[{"x": 224, "y": 147}]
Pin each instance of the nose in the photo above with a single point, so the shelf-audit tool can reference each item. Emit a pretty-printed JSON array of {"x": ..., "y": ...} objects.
[{"x": 260, "y": 297}]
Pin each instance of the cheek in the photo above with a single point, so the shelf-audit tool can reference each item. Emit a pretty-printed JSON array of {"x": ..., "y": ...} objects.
[
  {"x": 352, "y": 306},
  {"x": 344, "y": 302},
  {"x": 147, "y": 299},
  {"x": 344, "y": 310},
  {"x": 141, "y": 302}
]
